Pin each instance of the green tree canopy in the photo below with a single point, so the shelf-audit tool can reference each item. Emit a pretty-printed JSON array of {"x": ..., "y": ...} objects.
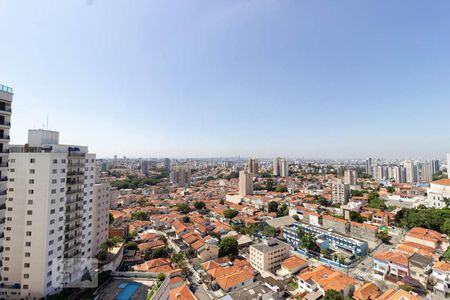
[
  {"x": 332, "y": 295},
  {"x": 228, "y": 247},
  {"x": 273, "y": 206},
  {"x": 184, "y": 208},
  {"x": 230, "y": 213},
  {"x": 199, "y": 205}
]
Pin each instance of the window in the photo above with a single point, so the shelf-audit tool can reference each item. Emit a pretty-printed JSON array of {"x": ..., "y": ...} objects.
[
  {"x": 30, "y": 202},
  {"x": 30, "y": 192},
  {"x": 29, "y": 223},
  {"x": 26, "y": 265},
  {"x": 54, "y": 181},
  {"x": 11, "y": 179},
  {"x": 31, "y": 181},
  {"x": 54, "y": 171},
  {"x": 28, "y": 233},
  {"x": 32, "y": 171},
  {"x": 32, "y": 160},
  {"x": 52, "y": 211},
  {"x": 55, "y": 161},
  {"x": 29, "y": 212},
  {"x": 12, "y": 170},
  {"x": 25, "y": 286},
  {"x": 63, "y": 161},
  {"x": 26, "y": 276},
  {"x": 54, "y": 191},
  {"x": 28, "y": 244},
  {"x": 27, "y": 254}
]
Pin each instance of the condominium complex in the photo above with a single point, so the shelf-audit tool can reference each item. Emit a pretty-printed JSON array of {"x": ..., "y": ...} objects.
[
  {"x": 245, "y": 183},
  {"x": 268, "y": 255},
  {"x": 340, "y": 192},
  {"x": 144, "y": 167},
  {"x": 180, "y": 175},
  {"x": 280, "y": 167},
  {"x": 6, "y": 97},
  {"x": 253, "y": 166},
  {"x": 49, "y": 216}
]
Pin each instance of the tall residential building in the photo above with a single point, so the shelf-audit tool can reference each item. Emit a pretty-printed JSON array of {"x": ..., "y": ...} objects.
[
  {"x": 399, "y": 174},
  {"x": 350, "y": 177},
  {"x": 435, "y": 166},
  {"x": 340, "y": 192},
  {"x": 253, "y": 166},
  {"x": 411, "y": 171},
  {"x": 180, "y": 175},
  {"x": 6, "y": 97},
  {"x": 425, "y": 171},
  {"x": 369, "y": 166},
  {"x": 144, "y": 167},
  {"x": 268, "y": 255},
  {"x": 100, "y": 215},
  {"x": 245, "y": 183},
  {"x": 49, "y": 216},
  {"x": 167, "y": 164},
  {"x": 280, "y": 167}
]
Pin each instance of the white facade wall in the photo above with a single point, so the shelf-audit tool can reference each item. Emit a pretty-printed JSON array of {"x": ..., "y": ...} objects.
[{"x": 100, "y": 215}]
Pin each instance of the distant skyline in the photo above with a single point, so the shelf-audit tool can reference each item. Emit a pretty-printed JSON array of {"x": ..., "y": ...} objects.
[{"x": 313, "y": 79}]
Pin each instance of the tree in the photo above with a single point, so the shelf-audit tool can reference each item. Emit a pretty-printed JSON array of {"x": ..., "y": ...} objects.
[
  {"x": 296, "y": 217},
  {"x": 186, "y": 219},
  {"x": 446, "y": 255},
  {"x": 222, "y": 201},
  {"x": 341, "y": 260},
  {"x": 139, "y": 215},
  {"x": 390, "y": 189},
  {"x": 356, "y": 217},
  {"x": 445, "y": 228},
  {"x": 228, "y": 247},
  {"x": 269, "y": 185},
  {"x": 131, "y": 246},
  {"x": 230, "y": 213},
  {"x": 308, "y": 241},
  {"x": 332, "y": 295},
  {"x": 273, "y": 206},
  {"x": 384, "y": 237},
  {"x": 184, "y": 208},
  {"x": 281, "y": 189},
  {"x": 283, "y": 210},
  {"x": 270, "y": 231},
  {"x": 199, "y": 205},
  {"x": 357, "y": 193},
  {"x": 159, "y": 252}
]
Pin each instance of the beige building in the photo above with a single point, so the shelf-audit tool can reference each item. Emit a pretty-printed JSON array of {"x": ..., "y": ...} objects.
[
  {"x": 48, "y": 216},
  {"x": 100, "y": 214},
  {"x": 268, "y": 255},
  {"x": 350, "y": 177},
  {"x": 245, "y": 183},
  {"x": 253, "y": 166},
  {"x": 340, "y": 192}
]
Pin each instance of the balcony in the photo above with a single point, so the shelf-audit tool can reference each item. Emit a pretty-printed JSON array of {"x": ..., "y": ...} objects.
[
  {"x": 69, "y": 201},
  {"x": 5, "y": 110},
  {"x": 6, "y": 89},
  {"x": 73, "y": 219},
  {"x": 75, "y": 165},
  {"x": 74, "y": 173},
  {"x": 4, "y": 137},
  {"x": 5, "y": 124},
  {"x": 4, "y": 165},
  {"x": 3, "y": 178},
  {"x": 75, "y": 191}
]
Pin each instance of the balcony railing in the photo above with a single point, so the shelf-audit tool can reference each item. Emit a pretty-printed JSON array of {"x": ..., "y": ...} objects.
[
  {"x": 5, "y": 109},
  {"x": 3, "y": 178},
  {"x": 4, "y": 137},
  {"x": 75, "y": 173},
  {"x": 76, "y": 191},
  {"x": 69, "y": 201},
  {"x": 5, "y": 123},
  {"x": 3, "y": 165}
]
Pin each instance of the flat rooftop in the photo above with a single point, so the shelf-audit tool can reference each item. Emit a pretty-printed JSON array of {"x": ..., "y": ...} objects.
[{"x": 270, "y": 245}]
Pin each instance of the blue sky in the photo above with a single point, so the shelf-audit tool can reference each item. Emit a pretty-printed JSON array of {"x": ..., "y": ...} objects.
[{"x": 333, "y": 79}]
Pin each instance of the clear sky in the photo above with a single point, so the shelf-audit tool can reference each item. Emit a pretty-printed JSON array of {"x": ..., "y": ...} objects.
[{"x": 333, "y": 79}]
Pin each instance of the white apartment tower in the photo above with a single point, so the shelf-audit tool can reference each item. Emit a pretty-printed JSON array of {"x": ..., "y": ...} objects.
[
  {"x": 245, "y": 183},
  {"x": 6, "y": 97},
  {"x": 49, "y": 216},
  {"x": 340, "y": 192},
  {"x": 411, "y": 173}
]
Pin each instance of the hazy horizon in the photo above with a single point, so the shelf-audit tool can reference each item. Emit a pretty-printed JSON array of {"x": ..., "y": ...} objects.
[{"x": 226, "y": 78}]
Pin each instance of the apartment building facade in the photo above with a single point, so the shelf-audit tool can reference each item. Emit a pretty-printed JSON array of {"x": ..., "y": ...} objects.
[
  {"x": 245, "y": 183},
  {"x": 268, "y": 255},
  {"x": 102, "y": 197},
  {"x": 6, "y": 97},
  {"x": 49, "y": 219}
]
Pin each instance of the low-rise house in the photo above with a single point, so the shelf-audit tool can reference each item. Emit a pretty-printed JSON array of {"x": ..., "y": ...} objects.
[
  {"x": 235, "y": 280},
  {"x": 148, "y": 247},
  {"x": 398, "y": 295},
  {"x": 420, "y": 267},
  {"x": 426, "y": 237},
  {"x": 391, "y": 265},
  {"x": 368, "y": 291},
  {"x": 158, "y": 265},
  {"x": 292, "y": 265},
  {"x": 317, "y": 281},
  {"x": 181, "y": 292},
  {"x": 441, "y": 277}
]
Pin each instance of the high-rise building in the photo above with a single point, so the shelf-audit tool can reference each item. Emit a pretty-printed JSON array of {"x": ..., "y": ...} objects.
[
  {"x": 411, "y": 171},
  {"x": 245, "y": 183},
  {"x": 253, "y": 166},
  {"x": 435, "y": 166},
  {"x": 280, "y": 167},
  {"x": 425, "y": 171},
  {"x": 369, "y": 166},
  {"x": 340, "y": 192},
  {"x": 180, "y": 175},
  {"x": 167, "y": 164},
  {"x": 144, "y": 167},
  {"x": 100, "y": 215},
  {"x": 6, "y": 97},
  {"x": 49, "y": 216},
  {"x": 350, "y": 177}
]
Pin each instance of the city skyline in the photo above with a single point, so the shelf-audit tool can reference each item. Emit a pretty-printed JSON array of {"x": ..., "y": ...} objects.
[{"x": 166, "y": 79}]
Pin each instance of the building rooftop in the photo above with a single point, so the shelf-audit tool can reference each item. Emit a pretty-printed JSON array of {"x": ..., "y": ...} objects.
[
  {"x": 6, "y": 89},
  {"x": 270, "y": 245}
]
